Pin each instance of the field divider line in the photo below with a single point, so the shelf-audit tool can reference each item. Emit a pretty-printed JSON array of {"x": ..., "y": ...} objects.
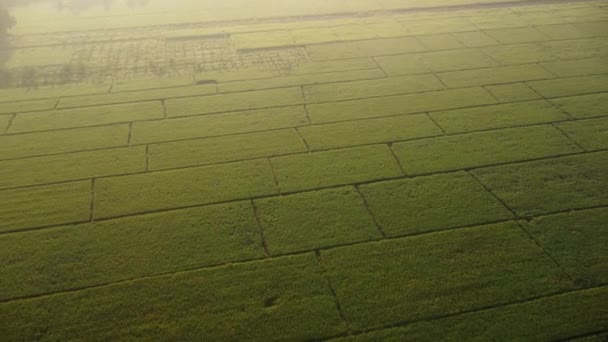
[
  {"x": 92, "y": 209},
  {"x": 333, "y": 292},
  {"x": 553, "y": 260},
  {"x": 161, "y": 98},
  {"x": 389, "y": 145},
  {"x": 147, "y": 152},
  {"x": 307, "y": 103},
  {"x": 517, "y": 220},
  {"x": 249, "y": 260},
  {"x": 428, "y": 115},
  {"x": 405, "y": 175},
  {"x": 472, "y": 48},
  {"x": 540, "y": 65},
  {"x": 163, "y": 104},
  {"x": 471, "y": 311},
  {"x": 582, "y": 337},
  {"x": 275, "y": 178},
  {"x": 489, "y": 191},
  {"x": 568, "y": 137},
  {"x": 298, "y": 253},
  {"x": 254, "y": 158},
  {"x": 10, "y": 122},
  {"x": 302, "y": 138},
  {"x": 147, "y": 170},
  {"x": 310, "y": 124},
  {"x": 130, "y": 133},
  {"x": 336, "y": 59},
  {"x": 260, "y": 228},
  {"x": 386, "y": 75},
  {"x": 369, "y": 212}
]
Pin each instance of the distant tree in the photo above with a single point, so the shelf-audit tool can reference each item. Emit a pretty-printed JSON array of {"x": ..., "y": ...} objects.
[{"x": 6, "y": 22}]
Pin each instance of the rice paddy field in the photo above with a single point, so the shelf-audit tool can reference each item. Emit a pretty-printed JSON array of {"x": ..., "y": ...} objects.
[{"x": 264, "y": 170}]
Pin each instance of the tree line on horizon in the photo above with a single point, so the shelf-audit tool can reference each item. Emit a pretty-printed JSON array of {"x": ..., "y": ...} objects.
[{"x": 6, "y": 22}]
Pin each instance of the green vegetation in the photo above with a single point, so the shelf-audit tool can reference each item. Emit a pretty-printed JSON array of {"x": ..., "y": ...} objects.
[
  {"x": 62, "y": 141},
  {"x": 571, "y": 314},
  {"x": 364, "y": 48},
  {"x": 550, "y": 185},
  {"x": 22, "y": 94},
  {"x": 431, "y": 203},
  {"x": 498, "y": 116},
  {"x": 304, "y": 170},
  {"x": 136, "y": 96},
  {"x": 224, "y": 149},
  {"x": 408, "y": 279},
  {"x": 103, "y": 252},
  {"x": 513, "y": 92},
  {"x": 385, "y": 86},
  {"x": 28, "y": 106},
  {"x": 370, "y": 131},
  {"x": 576, "y": 241},
  {"x": 475, "y": 39},
  {"x": 139, "y": 193},
  {"x": 234, "y": 102},
  {"x": 278, "y": 298},
  {"x": 45, "y": 205},
  {"x": 331, "y": 168},
  {"x": 72, "y": 166},
  {"x": 315, "y": 219},
  {"x": 296, "y": 80},
  {"x": 393, "y": 105},
  {"x": 507, "y": 74},
  {"x": 437, "y": 61},
  {"x": 571, "y": 86},
  {"x": 582, "y": 67},
  {"x": 482, "y": 148},
  {"x": 517, "y": 35},
  {"x": 525, "y": 53},
  {"x": 591, "y": 134},
  {"x": 218, "y": 125},
  {"x": 5, "y": 121},
  {"x": 584, "y": 106},
  {"x": 88, "y": 116}
]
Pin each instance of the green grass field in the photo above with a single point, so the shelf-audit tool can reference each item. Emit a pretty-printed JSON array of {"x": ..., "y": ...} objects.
[{"x": 306, "y": 170}]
